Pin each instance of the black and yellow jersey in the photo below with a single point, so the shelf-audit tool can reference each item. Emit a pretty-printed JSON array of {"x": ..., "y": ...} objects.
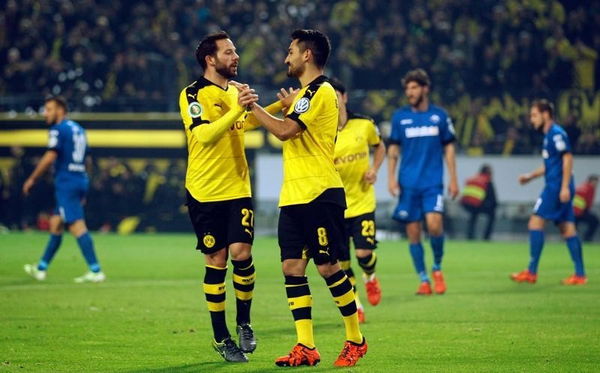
[
  {"x": 308, "y": 169},
  {"x": 352, "y": 161},
  {"x": 214, "y": 124}
]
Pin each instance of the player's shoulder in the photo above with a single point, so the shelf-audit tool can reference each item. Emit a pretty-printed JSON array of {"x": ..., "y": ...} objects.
[
  {"x": 434, "y": 109},
  {"x": 558, "y": 129},
  {"x": 352, "y": 116},
  {"x": 320, "y": 86},
  {"x": 196, "y": 85},
  {"x": 402, "y": 112}
]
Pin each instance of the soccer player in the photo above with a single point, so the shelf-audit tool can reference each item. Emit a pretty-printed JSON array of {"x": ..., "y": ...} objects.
[
  {"x": 312, "y": 201},
  {"x": 556, "y": 201},
  {"x": 426, "y": 135},
  {"x": 356, "y": 135},
  {"x": 218, "y": 186},
  {"x": 67, "y": 148}
]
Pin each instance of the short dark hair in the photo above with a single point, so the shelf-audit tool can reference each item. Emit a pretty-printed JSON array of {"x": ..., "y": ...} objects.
[
  {"x": 418, "y": 76},
  {"x": 485, "y": 169},
  {"x": 544, "y": 105},
  {"x": 208, "y": 46},
  {"x": 592, "y": 177},
  {"x": 337, "y": 85},
  {"x": 59, "y": 101},
  {"x": 316, "y": 41}
]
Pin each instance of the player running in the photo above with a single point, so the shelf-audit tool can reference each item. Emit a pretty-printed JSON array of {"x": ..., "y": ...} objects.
[
  {"x": 312, "y": 200},
  {"x": 556, "y": 201},
  {"x": 425, "y": 134},
  {"x": 356, "y": 135},
  {"x": 67, "y": 148}
]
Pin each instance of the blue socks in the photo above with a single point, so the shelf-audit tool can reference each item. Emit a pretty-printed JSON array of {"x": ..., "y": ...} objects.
[
  {"x": 87, "y": 249},
  {"x": 536, "y": 244},
  {"x": 574, "y": 245},
  {"x": 437, "y": 245},
  {"x": 416, "y": 251},
  {"x": 51, "y": 249}
]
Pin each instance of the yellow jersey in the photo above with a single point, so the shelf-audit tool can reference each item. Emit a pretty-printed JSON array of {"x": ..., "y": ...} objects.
[
  {"x": 308, "y": 169},
  {"x": 217, "y": 171},
  {"x": 352, "y": 162}
]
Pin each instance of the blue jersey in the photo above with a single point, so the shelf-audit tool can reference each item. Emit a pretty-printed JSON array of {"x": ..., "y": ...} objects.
[
  {"x": 556, "y": 143},
  {"x": 68, "y": 140},
  {"x": 422, "y": 136}
]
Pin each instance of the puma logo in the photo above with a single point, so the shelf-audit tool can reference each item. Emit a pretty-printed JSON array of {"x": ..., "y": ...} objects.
[
  {"x": 310, "y": 92},
  {"x": 192, "y": 95},
  {"x": 371, "y": 241},
  {"x": 248, "y": 231},
  {"x": 325, "y": 252}
]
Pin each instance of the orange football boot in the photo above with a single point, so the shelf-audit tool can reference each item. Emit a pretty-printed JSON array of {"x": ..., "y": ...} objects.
[
  {"x": 373, "y": 290},
  {"x": 575, "y": 280},
  {"x": 361, "y": 316},
  {"x": 351, "y": 353},
  {"x": 300, "y": 355},
  {"x": 524, "y": 276},
  {"x": 424, "y": 288},
  {"x": 439, "y": 283}
]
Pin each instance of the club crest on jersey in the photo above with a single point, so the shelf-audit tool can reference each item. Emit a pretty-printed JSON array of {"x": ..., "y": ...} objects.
[
  {"x": 195, "y": 109},
  {"x": 209, "y": 241},
  {"x": 435, "y": 118},
  {"x": 302, "y": 105}
]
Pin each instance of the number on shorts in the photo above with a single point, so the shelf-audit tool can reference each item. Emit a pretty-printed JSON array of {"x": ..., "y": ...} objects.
[
  {"x": 247, "y": 218},
  {"x": 368, "y": 228},
  {"x": 322, "y": 233}
]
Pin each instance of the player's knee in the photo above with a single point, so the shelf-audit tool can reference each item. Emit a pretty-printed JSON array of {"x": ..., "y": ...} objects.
[
  {"x": 328, "y": 269},
  {"x": 363, "y": 253},
  {"x": 240, "y": 251},
  {"x": 217, "y": 259}
]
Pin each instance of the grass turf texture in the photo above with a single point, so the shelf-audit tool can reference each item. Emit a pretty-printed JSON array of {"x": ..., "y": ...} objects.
[{"x": 150, "y": 316}]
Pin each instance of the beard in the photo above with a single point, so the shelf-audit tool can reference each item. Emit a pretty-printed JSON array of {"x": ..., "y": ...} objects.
[
  {"x": 417, "y": 101},
  {"x": 295, "y": 73},
  {"x": 225, "y": 71}
]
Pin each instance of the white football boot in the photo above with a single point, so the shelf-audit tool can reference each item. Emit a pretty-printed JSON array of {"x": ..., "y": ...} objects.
[
  {"x": 33, "y": 271},
  {"x": 91, "y": 277}
]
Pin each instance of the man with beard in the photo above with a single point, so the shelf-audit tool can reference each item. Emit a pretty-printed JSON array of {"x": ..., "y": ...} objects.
[
  {"x": 556, "y": 201},
  {"x": 426, "y": 135},
  {"x": 218, "y": 186},
  {"x": 67, "y": 147},
  {"x": 312, "y": 200}
]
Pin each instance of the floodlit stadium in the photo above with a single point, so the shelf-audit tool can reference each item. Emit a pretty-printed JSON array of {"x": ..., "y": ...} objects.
[{"x": 369, "y": 186}]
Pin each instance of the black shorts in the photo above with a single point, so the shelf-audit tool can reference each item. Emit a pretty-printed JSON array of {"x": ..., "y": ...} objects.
[
  {"x": 362, "y": 231},
  {"x": 313, "y": 230},
  {"x": 219, "y": 224}
]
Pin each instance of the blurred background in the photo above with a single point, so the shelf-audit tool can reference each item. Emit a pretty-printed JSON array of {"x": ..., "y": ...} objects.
[{"x": 121, "y": 66}]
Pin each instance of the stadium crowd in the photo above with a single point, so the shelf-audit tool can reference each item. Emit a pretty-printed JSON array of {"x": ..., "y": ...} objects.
[{"x": 106, "y": 55}]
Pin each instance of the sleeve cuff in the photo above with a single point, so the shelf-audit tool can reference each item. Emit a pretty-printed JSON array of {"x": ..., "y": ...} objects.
[{"x": 296, "y": 118}]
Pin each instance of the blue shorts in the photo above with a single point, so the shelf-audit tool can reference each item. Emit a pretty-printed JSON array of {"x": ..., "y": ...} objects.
[
  {"x": 414, "y": 203},
  {"x": 549, "y": 206},
  {"x": 69, "y": 199}
]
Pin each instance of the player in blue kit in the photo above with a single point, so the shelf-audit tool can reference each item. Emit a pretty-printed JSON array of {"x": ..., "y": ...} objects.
[
  {"x": 556, "y": 201},
  {"x": 67, "y": 147},
  {"x": 425, "y": 135}
]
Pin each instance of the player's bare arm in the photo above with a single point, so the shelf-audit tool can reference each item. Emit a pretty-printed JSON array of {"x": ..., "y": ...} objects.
[
  {"x": 47, "y": 160},
  {"x": 378, "y": 157},
  {"x": 567, "y": 169},
  {"x": 393, "y": 153},
  {"x": 525, "y": 178},
  {"x": 450, "y": 156}
]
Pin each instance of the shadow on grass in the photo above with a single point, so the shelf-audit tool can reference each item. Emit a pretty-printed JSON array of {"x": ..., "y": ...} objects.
[{"x": 218, "y": 367}]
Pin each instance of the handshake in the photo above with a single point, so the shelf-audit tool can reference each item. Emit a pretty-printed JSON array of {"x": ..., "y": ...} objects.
[{"x": 247, "y": 97}]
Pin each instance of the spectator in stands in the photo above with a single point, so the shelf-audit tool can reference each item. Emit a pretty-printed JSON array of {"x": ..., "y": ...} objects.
[
  {"x": 583, "y": 203},
  {"x": 479, "y": 197}
]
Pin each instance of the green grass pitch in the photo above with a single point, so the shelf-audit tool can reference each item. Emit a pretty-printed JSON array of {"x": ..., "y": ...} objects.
[{"x": 150, "y": 315}]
